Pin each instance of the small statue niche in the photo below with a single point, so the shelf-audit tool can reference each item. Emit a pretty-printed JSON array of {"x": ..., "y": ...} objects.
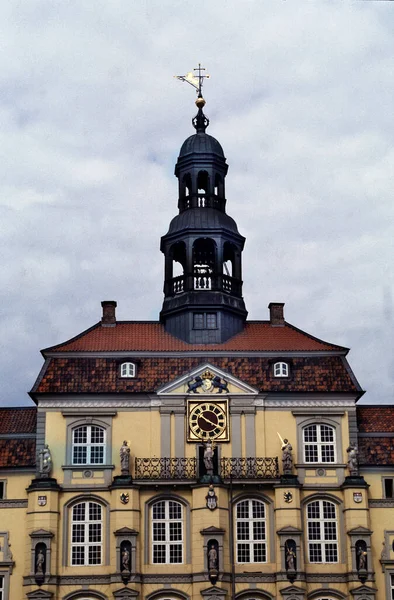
[
  {"x": 40, "y": 563},
  {"x": 291, "y": 559},
  {"x": 213, "y": 560},
  {"x": 361, "y": 559},
  {"x": 125, "y": 560}
]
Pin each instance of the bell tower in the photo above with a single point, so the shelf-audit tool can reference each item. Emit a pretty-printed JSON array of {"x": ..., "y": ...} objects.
[{"x": 203, "y": 301}]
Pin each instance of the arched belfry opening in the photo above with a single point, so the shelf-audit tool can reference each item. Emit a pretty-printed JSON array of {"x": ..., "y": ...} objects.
[{"x": 202, "y": 248}]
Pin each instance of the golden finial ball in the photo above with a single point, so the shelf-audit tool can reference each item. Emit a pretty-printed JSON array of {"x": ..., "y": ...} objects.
[{"x": 200, "y": 102}]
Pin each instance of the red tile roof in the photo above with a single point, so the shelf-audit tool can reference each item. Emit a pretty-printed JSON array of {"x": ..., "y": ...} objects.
[
  {"x": 376, "y": 450},
  {"x": 101, "y": 375},
  {"x": 151, "y": 336},
  {"x": 17, "y": 452},
  {"x": 18, "y": 420},
  {"x": 375, "y": 419}
]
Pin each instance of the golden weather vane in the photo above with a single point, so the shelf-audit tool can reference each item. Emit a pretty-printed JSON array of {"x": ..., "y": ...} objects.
[{"x": 195, "y": 79}]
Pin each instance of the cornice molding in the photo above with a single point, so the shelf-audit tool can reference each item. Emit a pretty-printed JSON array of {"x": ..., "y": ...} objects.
[{"x": 13, "y": 503}]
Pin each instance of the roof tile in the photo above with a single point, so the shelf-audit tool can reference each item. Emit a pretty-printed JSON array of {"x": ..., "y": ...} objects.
[{"x": 151, "y": 336}]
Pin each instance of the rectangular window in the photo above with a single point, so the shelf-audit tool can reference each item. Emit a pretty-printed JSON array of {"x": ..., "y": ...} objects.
[
  {"x": 198, "y": 321},
  {"x": 211, "y": 321},
  {"x": 205, "y": 321},
  {"x": 2, "y": 490},
  {"x": 388, "y": 487},
  {"x": 392, "y": 586},
  {"x": 1, "y": 587}
]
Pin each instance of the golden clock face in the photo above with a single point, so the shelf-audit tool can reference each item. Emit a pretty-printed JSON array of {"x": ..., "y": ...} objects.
[{"x": 208, "y": 421}]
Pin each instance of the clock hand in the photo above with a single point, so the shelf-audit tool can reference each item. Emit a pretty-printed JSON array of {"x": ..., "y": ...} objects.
[{"x": 208, "y": 421}]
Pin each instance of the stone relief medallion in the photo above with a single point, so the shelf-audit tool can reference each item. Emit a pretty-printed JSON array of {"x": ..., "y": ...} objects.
[
  {"x": 357, "y": 497},
  {"x": 124, "y": 498},
  {"x": 288, "y": 497},
  {"x": 42, "y": 500}
]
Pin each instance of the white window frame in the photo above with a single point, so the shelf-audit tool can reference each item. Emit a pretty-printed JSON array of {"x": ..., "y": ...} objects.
[
  {"x": 2, "y": 587},
  {"x": 128, "y": 370},
  {"x": 320, "y": 444},
  {"x": 167, "y": 542},
  {"x": 281, "y": 369},
  {"x": 251, "y": 541},
  {"x": 322, "y": 541},
  {"x": 88, "y": 444},
  {"x": 86, "y": 544}
]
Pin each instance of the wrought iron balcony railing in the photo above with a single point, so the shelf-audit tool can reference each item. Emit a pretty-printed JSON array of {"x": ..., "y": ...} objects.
[
  {"x": 166, "y": 468},
  {"x": 185, "y": 469},
  {"x": 249, "y": 468}
]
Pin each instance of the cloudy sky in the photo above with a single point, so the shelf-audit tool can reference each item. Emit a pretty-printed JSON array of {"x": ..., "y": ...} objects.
[{"x": 301, "y": 98}]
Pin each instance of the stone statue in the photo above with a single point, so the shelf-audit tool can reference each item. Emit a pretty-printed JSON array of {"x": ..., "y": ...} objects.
[
  {"x": 44, "y": 462},
  {"x": 212, "y": 558},
  {"x": 383, "y": 554},
  {"x": 125, "y": 458},
  {"x": 287, "y": 457},
  {"x": 352, "y": 458},
  {"x": 362, "y": 559},
  {"x": 290, "y": 558},
  {"x": 208, "y": 457},
  {"x": 40, "y": 558},
  {"x": 125, "y": 560}
]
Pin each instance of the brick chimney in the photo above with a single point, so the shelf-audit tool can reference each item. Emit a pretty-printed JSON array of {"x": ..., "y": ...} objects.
[
  {"x": 277, "y": 318},
  {"x": 109, "y": 317}
]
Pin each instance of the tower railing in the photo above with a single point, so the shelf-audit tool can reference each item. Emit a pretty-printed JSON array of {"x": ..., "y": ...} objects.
[
  {"x": 202, "y": 200},
  {"x": 204, "y": 281}
]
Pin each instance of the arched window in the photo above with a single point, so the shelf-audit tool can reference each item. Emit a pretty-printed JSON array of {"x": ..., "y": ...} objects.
[
  {"x": 251, "y": 536},
  {"x": 322, "y": 531},
  {"x": 127, "y": 369},
  {"x": 319, "y": 444},
  {"x": 86, "y": 534},
  {"x": 167, "y": 532},
  {"x": 281, "y": 369},
  {"x": 88, "y": 445}
]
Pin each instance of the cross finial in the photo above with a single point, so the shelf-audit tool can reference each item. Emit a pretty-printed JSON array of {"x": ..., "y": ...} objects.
[{"x": 195, "y": 79}]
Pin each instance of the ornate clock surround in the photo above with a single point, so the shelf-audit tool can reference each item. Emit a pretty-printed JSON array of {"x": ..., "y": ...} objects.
[{"x": 207, "y": 419}]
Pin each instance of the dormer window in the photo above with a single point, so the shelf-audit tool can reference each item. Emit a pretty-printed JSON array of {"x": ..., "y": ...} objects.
[
  {"x": 127, "y": 369},
  {"x": 281, "y": 369}
]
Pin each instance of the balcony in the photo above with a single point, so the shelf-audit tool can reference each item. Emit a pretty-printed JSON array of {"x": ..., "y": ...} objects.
[
  {"x": 249, "y": 468},
  {"x": 185, "y": 469},
  {"x": 204, "y": 280},
  {"x": 181, "y": 469}
]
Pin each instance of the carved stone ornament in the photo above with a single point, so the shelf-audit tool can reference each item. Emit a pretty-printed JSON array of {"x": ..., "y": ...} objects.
[
  {"x": 211, "y": 498},
  {"x": 357, "y": 497},
  {"x": 124, "y": 498},
  {"x": 207, "y": 383},
  {"x": 41, "y": 500}
]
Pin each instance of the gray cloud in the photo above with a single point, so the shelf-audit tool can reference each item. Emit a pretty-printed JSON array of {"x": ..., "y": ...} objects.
[{"x": 92, "y": 121}]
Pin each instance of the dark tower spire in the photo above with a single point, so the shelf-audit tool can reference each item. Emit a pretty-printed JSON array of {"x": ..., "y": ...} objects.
[{"x": 203, "y": 249}]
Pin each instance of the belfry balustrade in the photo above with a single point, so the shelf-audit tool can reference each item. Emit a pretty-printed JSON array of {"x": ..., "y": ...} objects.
[
  {"x": 203, "y": 279},
  {"x": 187, "y": 469}
]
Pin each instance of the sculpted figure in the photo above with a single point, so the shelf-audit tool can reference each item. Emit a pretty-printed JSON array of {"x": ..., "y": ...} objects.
[
  {"x": 290, "y": 559},
  {"x": 125, "y": 458},
  {"x": 287, "y": 457},
  {"x": 44, "y": 462},
  {"x": 212, "y": 558},
  {"x": 40, "y": 563},
  {"x": 352, "y": 458},
  {"x": 125, "y": 560},
  {"x": 208, "y": 457},
  {"x": 362, "y": 559}
]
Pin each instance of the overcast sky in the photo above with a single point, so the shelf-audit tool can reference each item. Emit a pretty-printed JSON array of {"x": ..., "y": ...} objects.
[{"x": 301, "y": 98}]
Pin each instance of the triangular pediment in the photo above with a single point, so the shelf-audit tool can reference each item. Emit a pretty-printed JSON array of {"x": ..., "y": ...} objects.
[
  {"x": 213, "y": 591},
  {"x": 39, "y": 595},
  {"x": 207, "y": 380}
]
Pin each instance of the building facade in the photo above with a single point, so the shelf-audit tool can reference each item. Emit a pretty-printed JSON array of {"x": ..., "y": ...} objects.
[{"x": 202, "y": 456}]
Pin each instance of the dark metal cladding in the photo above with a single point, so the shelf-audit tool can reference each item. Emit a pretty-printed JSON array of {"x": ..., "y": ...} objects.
[{"x": 203, "y": 300}]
